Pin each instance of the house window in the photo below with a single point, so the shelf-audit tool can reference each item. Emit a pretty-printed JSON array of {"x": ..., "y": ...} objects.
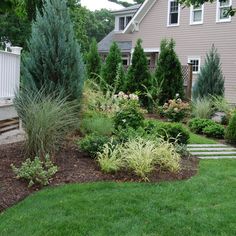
[
  {"x": 196, "y": 15},
  {"x": 149, "y": 60},
  {"x": 173, "y": 13},
  {"x": 125, "y": 61},
  {"x": 195, "y": 61},
  {"x": 128, "y": 19},
  {"x": 222, "y": 10},
  {"x": 121, "y": 23}
]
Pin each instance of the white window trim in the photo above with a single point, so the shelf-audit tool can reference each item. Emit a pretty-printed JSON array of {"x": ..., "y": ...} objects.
[
  {"x": 168, "y": 15},
  {"x": 125, "y": 22},
  {"x": 191, "y": 16},
  {"x": 199, "y": 64},
  {"x": 218, "y": 20},
  {"x": 126, "y": 58}
]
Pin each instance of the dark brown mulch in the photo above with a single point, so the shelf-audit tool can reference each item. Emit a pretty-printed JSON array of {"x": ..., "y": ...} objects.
[{"x": 74, "y": 167}]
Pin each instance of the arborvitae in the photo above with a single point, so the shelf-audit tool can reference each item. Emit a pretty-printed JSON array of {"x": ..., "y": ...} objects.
[
  {"x": 169, "y": 72},
  {"x": 138, "y": 73},
  {"x": 109, "y": 69},
  {"x": 93, "y": 61},
  {"x": 54, "y": 61},
  {"x": 120, "y": 79},
  {"x": 210, "y": 80}
]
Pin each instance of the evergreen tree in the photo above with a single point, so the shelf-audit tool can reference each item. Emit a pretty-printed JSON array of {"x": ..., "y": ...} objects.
[
  {"x": 93, "y": 61},
  {"x": 169, "y": 72},
  {"x": 120, "y": 78},
  {"x": 210, "y": 80},
  {"x": 54, "y": 61},
  {"x": 138, "y": 75},
  {"x": 110, "y": 66}
]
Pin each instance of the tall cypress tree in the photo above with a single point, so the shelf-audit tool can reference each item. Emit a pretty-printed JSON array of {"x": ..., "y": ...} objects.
[
  {"x": 93, "y": 61},
  {"x": 168, "y": 72},
  {"x": 210, "y": 80},
  {"x": 138, "y": 74},
  {"x": 120, "y": 78},
  {"x": 111, "y": 64},
  {"x": 54, "y": 60}
]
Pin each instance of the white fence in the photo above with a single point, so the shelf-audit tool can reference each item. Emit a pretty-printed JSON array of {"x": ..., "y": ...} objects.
[{"x": 9, "y": 73}]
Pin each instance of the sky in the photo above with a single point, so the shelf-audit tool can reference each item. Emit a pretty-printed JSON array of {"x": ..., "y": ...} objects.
[{"x": 99, "y": 4}]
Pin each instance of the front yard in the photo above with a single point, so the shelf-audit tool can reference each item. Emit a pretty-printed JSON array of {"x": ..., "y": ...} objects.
[{"x": 203, "y": 205}]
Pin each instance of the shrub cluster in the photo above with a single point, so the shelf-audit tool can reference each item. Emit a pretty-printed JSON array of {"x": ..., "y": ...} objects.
[
  {"x": 214, "y": 131},
  {"x": 197, "y": 125},
  {"x": 36, "y": 171},
  {"x": 173, "y": 132},
  {"x": 207, "y": 127},
  {"x": 230, "y": 133},
  {"x": 92, "y": 143}
]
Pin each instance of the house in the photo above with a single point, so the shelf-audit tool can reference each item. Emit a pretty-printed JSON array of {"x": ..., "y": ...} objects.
[{"x": 193, "y": 29}]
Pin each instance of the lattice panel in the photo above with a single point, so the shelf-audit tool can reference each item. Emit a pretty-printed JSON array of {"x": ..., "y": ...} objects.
[{"x": 186, "y": 74}]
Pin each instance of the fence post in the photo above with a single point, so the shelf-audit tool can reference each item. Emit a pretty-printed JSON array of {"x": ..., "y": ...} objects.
[{"x": 190, "y": 81}]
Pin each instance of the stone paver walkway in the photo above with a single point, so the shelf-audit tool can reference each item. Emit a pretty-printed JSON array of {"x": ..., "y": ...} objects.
[{"x": 212, "y": 151}]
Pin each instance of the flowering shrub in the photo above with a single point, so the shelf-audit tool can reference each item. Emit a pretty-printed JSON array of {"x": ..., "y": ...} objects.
[
  {"x": 94, "y": 99},
  {"x": 122, "y": 96},
  {"x": 175, "y": 110}
]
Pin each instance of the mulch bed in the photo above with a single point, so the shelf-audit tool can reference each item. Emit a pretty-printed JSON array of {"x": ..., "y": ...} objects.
[{"x": 74, "y": 167}]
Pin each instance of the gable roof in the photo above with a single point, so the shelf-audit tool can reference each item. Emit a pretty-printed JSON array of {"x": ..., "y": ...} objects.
[
  {"x": 105, "y": 44},
  {"x": 133, "y": 8},
  {"x": 139, "y": 15}
]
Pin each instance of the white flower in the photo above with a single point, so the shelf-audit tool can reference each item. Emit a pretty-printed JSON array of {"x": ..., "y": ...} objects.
[
  {"x": 177, "y": 95},
  {"x": 121, "y": 94},
  {"x": 133, "y": 97}
]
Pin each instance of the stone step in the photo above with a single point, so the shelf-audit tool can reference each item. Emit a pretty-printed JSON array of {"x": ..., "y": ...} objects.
[
  {"x": 217, "y": 157},
  {"x": 212, "y": 149},
  {"x": 214, "y": 153},
  {"x": 206, "y": 145}
]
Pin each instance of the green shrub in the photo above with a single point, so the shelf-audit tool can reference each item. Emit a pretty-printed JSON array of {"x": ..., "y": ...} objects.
[
  {"x": 197, "y": 125},
  {"x": 210, "y": 81},
  {"x": 172, "y": 132},
  {"x": 138, "y": 76},
  {"x": 168, "y": 72},
  {"x": 35, "y": 171},
  {"x": 214, "y": 131},
  {"x": 97, "y": 124},
  {"x": 123, "y": 135},
  {"x": 92, "y": 143},
  {"x": 230, "y": 134},
  {"x": 109, "y": 68},
  {"x": 93, "y": 61},
  {"x": 109, "y": 158},
  {"x": 129, "y": 116},
  {"x": 202, "y": 108},
  {"x": 46, "y": 119}
]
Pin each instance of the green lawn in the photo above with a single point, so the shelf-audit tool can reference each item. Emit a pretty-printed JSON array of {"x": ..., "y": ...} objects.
[
  {"x": 199, "y": 139},
  {"x": 204, "y": 205}
]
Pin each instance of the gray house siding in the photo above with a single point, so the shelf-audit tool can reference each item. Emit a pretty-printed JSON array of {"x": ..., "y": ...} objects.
[{"x": 191, "y": 40}]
